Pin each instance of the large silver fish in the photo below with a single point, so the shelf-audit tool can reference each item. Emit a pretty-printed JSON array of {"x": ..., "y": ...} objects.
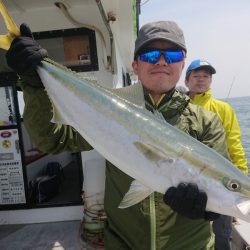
[
  {"x": 143, "y": 144},
  {"x": 138, "y": 142}
]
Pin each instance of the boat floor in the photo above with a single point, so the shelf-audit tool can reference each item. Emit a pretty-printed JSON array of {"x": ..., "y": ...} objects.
[
  {"x": 66, "y": 236},
  {"x": 241, "y": 235},
  {"x": 42, "y": 236}
]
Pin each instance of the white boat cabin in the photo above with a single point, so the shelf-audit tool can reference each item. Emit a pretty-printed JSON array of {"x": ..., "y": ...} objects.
[{"x": 96, "y": 39}]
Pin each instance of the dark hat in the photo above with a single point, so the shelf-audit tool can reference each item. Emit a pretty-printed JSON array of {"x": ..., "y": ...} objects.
[
  {"x": 200, "y": 64},
  {"x": 161, "y": 30}
]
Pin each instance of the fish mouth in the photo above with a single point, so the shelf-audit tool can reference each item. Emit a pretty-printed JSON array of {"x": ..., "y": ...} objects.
[{"x": 243, "y": 208}]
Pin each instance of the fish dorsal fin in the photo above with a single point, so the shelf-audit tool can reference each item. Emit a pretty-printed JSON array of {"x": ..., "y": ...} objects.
[
  {"x": 151, "y": 152},
  {"x": 137, "y": 192},
  {"x": 132, "y": 93},
  {"x": 159, "y": 116}
]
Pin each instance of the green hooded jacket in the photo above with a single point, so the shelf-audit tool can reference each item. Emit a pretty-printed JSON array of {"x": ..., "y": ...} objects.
[{"x": 150, "y": 224}]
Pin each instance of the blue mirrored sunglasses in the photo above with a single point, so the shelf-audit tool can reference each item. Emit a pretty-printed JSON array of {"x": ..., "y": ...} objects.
[{"x": 154, "y": 55}]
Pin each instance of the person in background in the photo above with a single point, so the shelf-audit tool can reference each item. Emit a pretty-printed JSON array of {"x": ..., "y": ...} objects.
[
  {"x": 198, "y": 81},
  {"x": 175, "y": 220}
]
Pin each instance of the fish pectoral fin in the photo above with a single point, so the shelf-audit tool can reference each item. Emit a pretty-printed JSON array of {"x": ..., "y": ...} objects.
[
  {"x": 137, "y": 192},
  {"x": 151, "y": 152}
]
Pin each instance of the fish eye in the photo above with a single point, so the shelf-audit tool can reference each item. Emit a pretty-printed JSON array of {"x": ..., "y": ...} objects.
[{"x": 232, "y": 185}]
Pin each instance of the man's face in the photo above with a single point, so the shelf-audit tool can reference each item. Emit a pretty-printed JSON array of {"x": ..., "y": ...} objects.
[
  {"x": 159, "y": 77},
  {"x": 199, "y": 81}
]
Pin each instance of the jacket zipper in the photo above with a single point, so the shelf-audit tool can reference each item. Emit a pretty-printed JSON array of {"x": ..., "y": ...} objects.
[{"x": 152, "y": 221}]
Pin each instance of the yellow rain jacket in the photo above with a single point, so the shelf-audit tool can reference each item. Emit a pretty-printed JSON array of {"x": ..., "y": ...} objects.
[{"x": 229, "y": 121}]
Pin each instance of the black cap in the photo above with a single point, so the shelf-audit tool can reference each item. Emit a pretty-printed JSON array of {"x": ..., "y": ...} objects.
[{"x": 161, "y": 30}]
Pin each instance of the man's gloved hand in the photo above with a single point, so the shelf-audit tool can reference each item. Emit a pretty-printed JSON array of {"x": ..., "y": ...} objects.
[
  {"x": 25, "y": 53},
  {"x": 189, "y": 201}
]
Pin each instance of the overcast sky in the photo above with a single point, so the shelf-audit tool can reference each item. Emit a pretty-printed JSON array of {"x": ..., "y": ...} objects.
[{"x": 215, "y": 30}]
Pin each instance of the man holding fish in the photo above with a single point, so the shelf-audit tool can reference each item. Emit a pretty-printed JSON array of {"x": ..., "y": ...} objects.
[{"x": 174, "y": 220}]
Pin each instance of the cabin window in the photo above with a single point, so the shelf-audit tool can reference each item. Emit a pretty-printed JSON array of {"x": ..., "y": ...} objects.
[
  {"x": 128, "y": 79},
  {"x": 8, "y": 112},
  {"x": 74, "y": 48},
  {"x": 125, "y": 79}
]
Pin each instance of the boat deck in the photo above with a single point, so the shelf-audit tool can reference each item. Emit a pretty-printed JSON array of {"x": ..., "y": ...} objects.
[
  {"x": 66, "y": 236},
  {"x": 42, "y": 236},
  {"x": 241, "y": 235}
]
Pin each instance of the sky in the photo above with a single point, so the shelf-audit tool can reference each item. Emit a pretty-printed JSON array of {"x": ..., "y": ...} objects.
[{"x": 215, "y": 30}]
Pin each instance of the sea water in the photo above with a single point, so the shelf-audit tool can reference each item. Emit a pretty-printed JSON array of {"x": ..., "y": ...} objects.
[{"x": 241, "y": 106}]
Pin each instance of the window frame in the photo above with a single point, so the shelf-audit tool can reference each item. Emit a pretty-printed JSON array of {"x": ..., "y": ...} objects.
[{"x": 93, "y": 66}]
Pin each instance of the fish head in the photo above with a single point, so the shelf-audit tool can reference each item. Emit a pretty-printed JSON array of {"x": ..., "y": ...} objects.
[
  {"x": 230, "y": 195},
  {"x": 241, "y": 188}
]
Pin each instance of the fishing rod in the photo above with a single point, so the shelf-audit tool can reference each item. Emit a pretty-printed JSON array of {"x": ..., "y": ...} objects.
[{"x": 230, "y": 89}]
